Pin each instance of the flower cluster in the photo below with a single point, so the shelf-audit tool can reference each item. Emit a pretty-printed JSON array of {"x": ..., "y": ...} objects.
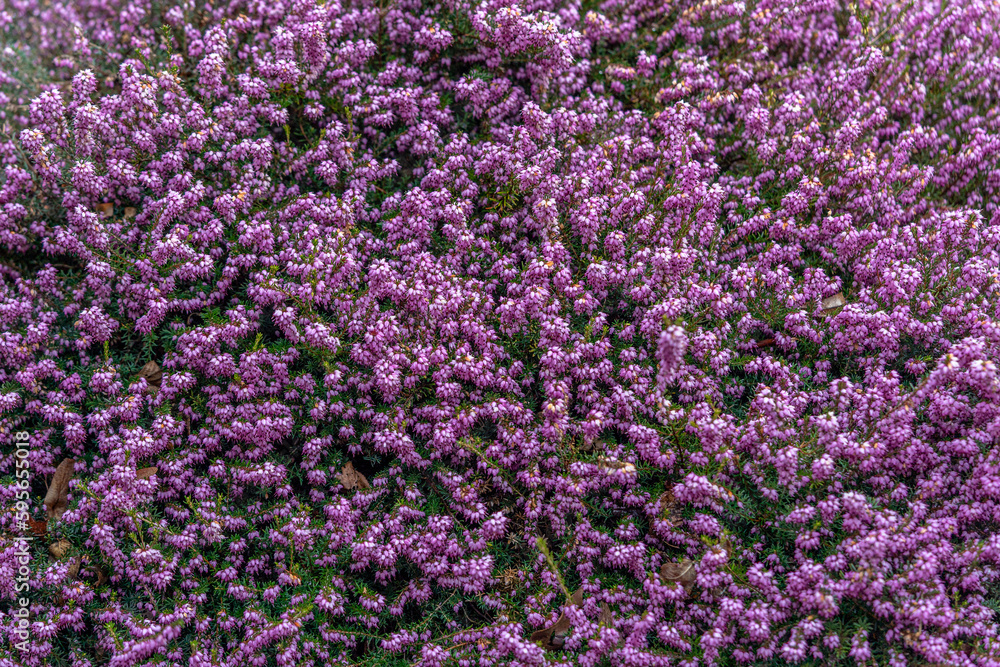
[{"x": 484, "y": 332}]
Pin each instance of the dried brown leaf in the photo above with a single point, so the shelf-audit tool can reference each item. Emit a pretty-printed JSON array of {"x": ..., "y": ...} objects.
[
  {"x": 105, "y": 209},
  {"x": 59, "y": 549},
  {"x": 151, "y": 371},
  {"x": 553, "y": 637},
  {"x": 56, "y": 499},
  {"x": 145, "y": 473},
  {"x": 351, "y": 478},
  {"x": 831, "y": 304},
  {"x": 38, "y": 528},
  {"x": 74, "y": 568},
  {"x": 129, "y": 212},
  {"x": 562, "y": 626},
  {"x": 676, "y": 571},
  {"x": 669, "y": 507},
  {"x": 683, "y": 573},
  {"x": 606, "y": 618},
  {"x": 542, "y": 635},
  {"x": 766, "y": 342},
  {"x": 608, "y": 464},
  {"x": 727, "y": 545}
]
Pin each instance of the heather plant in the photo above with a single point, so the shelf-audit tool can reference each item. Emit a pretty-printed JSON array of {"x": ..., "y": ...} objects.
[{"x": 489, "y": 333}]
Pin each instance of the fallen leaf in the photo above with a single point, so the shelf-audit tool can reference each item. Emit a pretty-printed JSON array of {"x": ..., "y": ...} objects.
[
  {"x": 606, "y": 618},
  {"x": 145, "y": 473},
  {"x": 766, "y": 342},
  {"x": 60, "y": 548},
  {"x": 683, "y": 573},
  {"x": 74, "y": 568},
  {"x": 559, "y": 634},
  {"x": 94, "y": 573},
  {"x": 669, "y": 507},
  {"x": 605, "y": 463},
  {"x": 38, "y": 528},
  {"x": 832, "y": 303},
  {"x": 727, "y": 545},
  {"x": 543, "y": 635},
  {"x": 56, "y": 499},
  {"x": 151, "y": 371},
  {"x": 351, "y": 478},
  {"x": 554, "y": 636},
  {"x": 106, "y": 209},
  {"x": 129, "y": 212}
]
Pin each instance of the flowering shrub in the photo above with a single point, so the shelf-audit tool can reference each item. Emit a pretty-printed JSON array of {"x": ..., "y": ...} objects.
[{"x": 484, "y": 333}]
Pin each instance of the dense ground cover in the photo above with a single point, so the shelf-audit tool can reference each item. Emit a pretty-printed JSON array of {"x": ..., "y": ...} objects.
[{"x": 488, "y": 333}]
